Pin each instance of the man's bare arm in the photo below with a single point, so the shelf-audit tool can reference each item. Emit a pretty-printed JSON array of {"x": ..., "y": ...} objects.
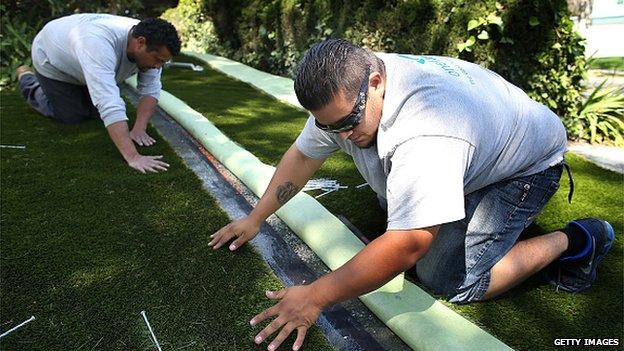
[
  {"x": 381, "y": 260},
  {"x": 145, "y": 111},
  {"x": 290, "y": 176}
]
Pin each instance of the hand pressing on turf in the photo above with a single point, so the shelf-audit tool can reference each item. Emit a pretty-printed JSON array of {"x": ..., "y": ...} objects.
[
  {"x": 141, "y": 137},
  {"x": 297, "y": 309},
  {"x": 243, "y": 230},
  {"x": 148, "y": 163}
]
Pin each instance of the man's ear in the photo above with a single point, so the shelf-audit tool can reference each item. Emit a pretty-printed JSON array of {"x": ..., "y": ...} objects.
[
  {"x": 377, "y": 81},
  {"x": 142, "y": 42}
]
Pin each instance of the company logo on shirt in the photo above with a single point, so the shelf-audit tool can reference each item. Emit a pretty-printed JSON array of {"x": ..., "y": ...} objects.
[{"x": 449, "y": 68}]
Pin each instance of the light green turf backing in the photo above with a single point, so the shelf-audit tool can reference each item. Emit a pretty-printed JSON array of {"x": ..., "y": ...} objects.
[{"x": 279, "y": 87}]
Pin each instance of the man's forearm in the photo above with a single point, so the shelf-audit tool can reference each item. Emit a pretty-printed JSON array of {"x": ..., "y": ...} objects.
[
  {"x": 290, "y": 176},
  {"x": 120, "y": 135},
  {"x": 379, "y": 262},
  {"x": 145, "y": 110}
]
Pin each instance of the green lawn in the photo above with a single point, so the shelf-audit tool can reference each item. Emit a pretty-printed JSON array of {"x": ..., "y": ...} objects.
[
  {"x": 87, "y": 243},
  {"x": 610, "y": 63},
  {"x": 529, "y": 317}
]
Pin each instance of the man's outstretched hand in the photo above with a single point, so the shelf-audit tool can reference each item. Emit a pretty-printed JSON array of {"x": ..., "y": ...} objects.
[
  {"x": 141, "y": 138},
  {"x": 296, "y": 310},
  {"x": 243, "y": 229},
  {"x": 148, "y": 164}
]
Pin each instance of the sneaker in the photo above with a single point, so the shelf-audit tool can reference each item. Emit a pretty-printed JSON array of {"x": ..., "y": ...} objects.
[{"x": 577, "y": 273}]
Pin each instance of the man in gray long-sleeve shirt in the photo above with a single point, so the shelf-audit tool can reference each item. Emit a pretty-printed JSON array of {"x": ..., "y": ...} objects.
[{"x": 80, "y": 59}]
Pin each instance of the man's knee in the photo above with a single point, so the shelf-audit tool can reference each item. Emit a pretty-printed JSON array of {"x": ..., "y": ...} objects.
[
  {"x": 471, "y": 291},
  {"x": 75, "y": 114},
  {"x": 460, "y": 291},
  {"x": 435, "y": 280}
]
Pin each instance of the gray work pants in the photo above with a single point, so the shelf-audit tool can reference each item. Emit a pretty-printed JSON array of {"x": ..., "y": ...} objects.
[{"x": 64, "y": 102}]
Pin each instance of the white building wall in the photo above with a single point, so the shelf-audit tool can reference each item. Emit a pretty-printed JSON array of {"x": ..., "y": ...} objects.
[{"x": 604, "y": 30}]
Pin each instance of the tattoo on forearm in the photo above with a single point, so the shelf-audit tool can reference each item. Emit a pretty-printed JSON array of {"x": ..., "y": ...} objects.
[{"x": 285, "y": 192}]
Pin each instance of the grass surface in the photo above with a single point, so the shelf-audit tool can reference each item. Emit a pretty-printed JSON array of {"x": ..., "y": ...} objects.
[
  {"x": 610, "y": 63},
  {"x": 530, "y": 316},
  {"x": 87, "y": 243}
]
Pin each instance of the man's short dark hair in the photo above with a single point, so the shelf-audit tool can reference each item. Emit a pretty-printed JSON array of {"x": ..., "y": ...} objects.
[
  {"x": 158, "y": 32},
  {"x": 331, "y": 66}
]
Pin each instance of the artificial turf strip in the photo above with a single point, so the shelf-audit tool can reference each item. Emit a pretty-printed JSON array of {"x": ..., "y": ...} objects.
[
  {"x": 528, "y": 317},
  {"x": 87, "y": 243}
]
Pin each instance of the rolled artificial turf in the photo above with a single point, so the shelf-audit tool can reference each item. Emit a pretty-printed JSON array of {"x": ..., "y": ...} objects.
[
  {"x": 528, "y": 317},
  {"x": 87, "y": 243}
]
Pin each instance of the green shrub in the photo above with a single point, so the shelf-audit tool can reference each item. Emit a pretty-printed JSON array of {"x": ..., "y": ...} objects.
[
  {"x": 20, "y": 20},
  {"x": 601, "y": 116},
  {"x": 193, "y": 25},
  {"x": 15, "y": 40},
  {"x": 530, "y": 43}
]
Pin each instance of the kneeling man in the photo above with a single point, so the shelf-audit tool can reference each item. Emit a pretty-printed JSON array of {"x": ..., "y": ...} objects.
[
  {"x": 80, "y": 59},
  {"x": 464, "y": 161}
]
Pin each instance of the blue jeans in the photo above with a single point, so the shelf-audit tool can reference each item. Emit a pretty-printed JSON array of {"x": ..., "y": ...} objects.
[{"x": 461, "y": 256}]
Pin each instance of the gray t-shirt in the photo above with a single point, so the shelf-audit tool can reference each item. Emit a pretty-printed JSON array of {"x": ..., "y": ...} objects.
[
  {"x": 448, "y": 128},
  {"x": 90, "y": 49}
]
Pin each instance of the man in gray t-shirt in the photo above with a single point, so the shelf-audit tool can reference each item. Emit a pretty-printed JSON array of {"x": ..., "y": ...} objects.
[
  {"x": 464, "y": 160},
  {"x": 80, "y": 59}
]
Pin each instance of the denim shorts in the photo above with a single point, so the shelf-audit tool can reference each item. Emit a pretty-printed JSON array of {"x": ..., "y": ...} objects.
[{"x": 461, "y": 256}]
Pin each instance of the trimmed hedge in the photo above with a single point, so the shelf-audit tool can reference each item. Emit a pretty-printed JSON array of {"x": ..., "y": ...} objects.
[{"x": 531, "y": 43}]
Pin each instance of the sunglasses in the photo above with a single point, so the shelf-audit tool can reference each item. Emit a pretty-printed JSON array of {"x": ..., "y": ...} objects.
[{"x": 355, "y": 117}]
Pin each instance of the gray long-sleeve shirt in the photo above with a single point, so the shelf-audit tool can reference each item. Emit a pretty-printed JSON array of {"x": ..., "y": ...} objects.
[{"x": 91, "y": 50}]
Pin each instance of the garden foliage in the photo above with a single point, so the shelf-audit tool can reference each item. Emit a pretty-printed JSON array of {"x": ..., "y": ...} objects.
[
  {"x": 20, "y": 20},
  {"x": 530, "y": 43}
]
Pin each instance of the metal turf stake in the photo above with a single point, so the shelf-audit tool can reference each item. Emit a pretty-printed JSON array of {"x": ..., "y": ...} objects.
[
  {"x": 325, "y": 193},
  {"x": 151, "y": 331},
  {"x": 32, "y": 318},
  {"x": 196, "y": 68}
]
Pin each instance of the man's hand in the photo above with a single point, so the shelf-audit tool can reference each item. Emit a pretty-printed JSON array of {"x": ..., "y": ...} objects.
[
  {"x": 145, "y": 111},
  {"x": 296, "y": 310},
  {"x": 148, "y": 163},
  {"x": 119, "y": 134},
  {"x": 244, "y": 229},
  {"x": 141, "y": 137}
]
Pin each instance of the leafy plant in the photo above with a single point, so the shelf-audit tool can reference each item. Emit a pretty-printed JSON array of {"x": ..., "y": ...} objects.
[
  {"x": 481, "y": 27},
  {"x": 20, "y": 20},
  {"x": 558, "y": 75},
  {"x": 196, "y": 29},
  {"x": 15, "y": 41},
  {"x": 602, "y": 115}
]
